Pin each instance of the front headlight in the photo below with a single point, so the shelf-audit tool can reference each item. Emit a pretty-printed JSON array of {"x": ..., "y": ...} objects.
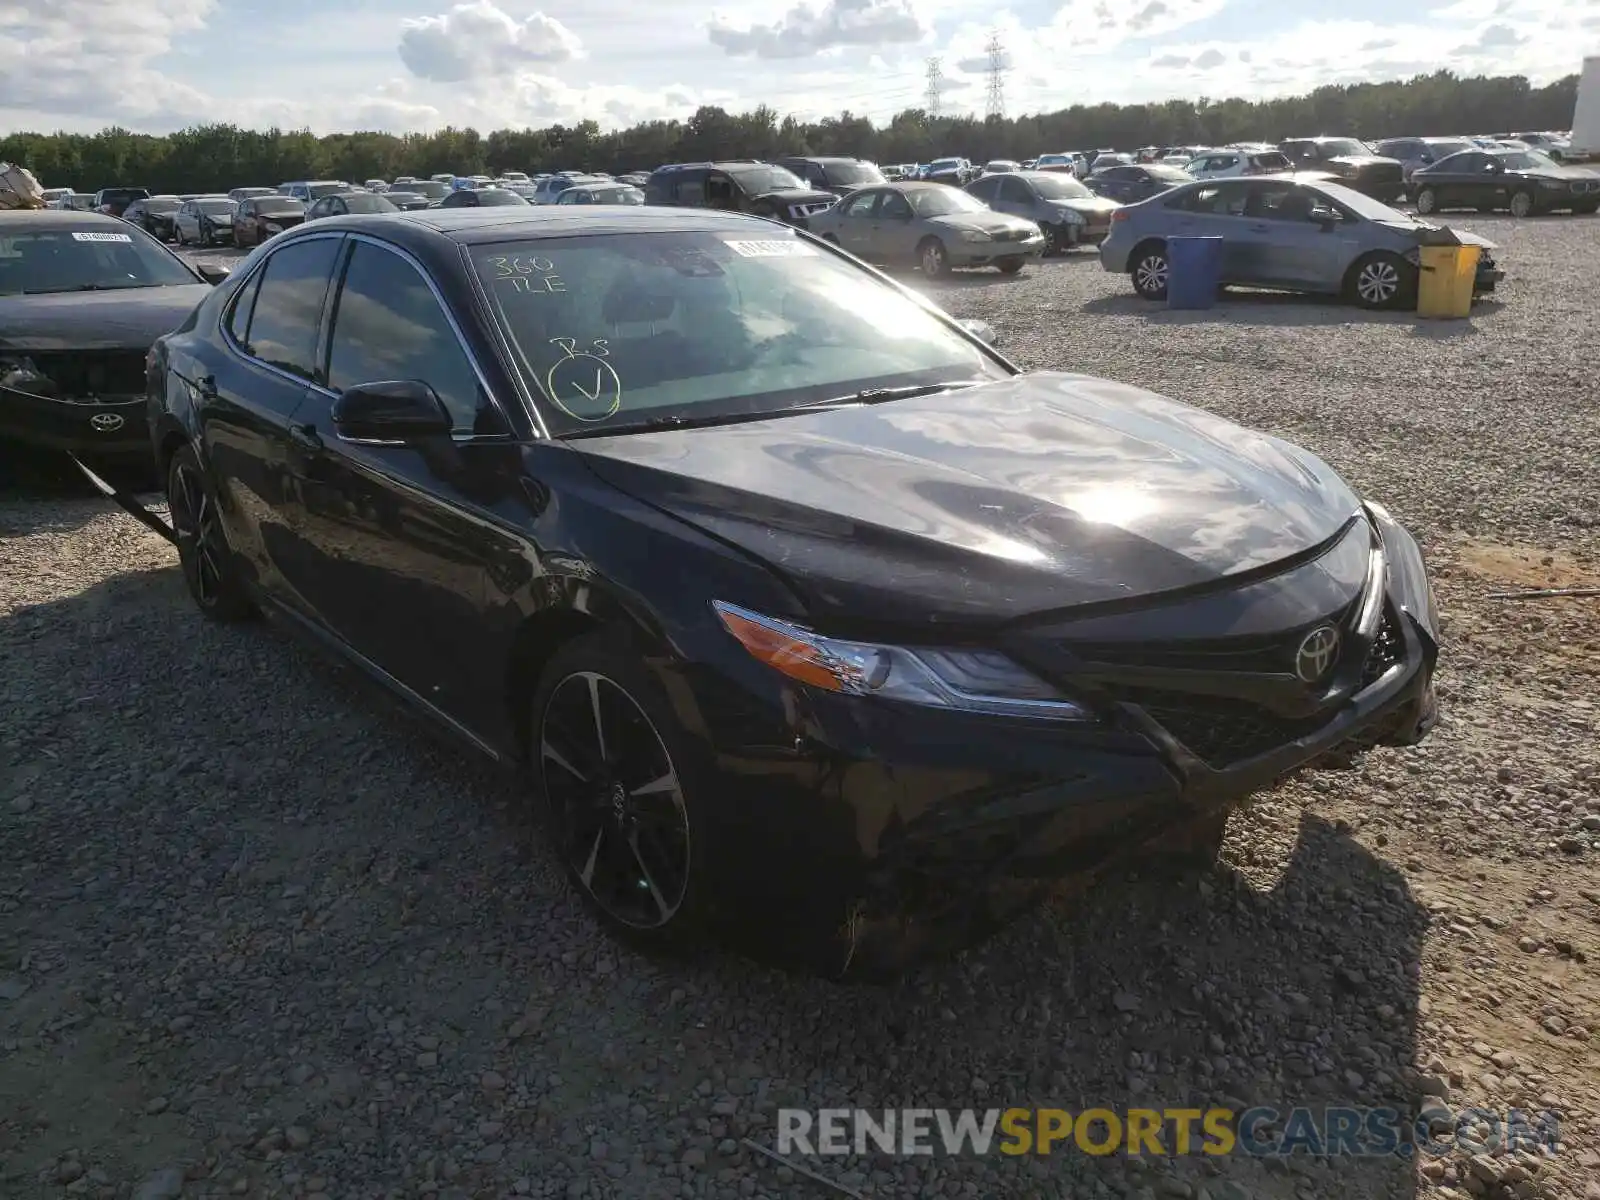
[
  {"x": 272, "y": 227},
  {"x": 975, "y": 235},
  {"x": 981, "y": 681}
]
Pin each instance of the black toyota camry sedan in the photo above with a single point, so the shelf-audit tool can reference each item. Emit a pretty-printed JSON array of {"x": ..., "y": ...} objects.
[{"x": 794, "y": 599}]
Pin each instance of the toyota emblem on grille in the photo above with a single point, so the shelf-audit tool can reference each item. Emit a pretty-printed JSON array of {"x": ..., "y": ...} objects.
[
  {"x": 106, "y": 422},
  {"x": 1316, "y": 653}
]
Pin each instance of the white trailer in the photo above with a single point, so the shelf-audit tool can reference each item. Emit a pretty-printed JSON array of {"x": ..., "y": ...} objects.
[{"x": 1586, "y": 113}]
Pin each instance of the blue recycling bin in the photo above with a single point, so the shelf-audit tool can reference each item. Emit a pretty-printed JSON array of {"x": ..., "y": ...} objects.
[{"x": 1194, "y": 271}]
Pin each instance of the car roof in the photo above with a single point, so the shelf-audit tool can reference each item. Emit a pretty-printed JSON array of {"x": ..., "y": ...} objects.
[
  {"x": 478, "y": 226},
  {"x": 12, "y": 219}
]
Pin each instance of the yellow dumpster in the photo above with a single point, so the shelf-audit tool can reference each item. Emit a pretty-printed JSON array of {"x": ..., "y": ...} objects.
[{"x": 1444, "y": 288}]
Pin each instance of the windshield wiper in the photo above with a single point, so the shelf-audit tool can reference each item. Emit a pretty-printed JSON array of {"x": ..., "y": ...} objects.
[{"x": 851, "y": 399}]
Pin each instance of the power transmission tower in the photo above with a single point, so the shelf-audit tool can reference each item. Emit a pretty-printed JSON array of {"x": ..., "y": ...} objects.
[
  {"x": 996, "y": 106},
  {"x": 935, "y": 85}
]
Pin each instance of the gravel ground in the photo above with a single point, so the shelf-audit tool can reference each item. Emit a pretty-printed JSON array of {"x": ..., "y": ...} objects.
[{"x": 258, "y": 938}]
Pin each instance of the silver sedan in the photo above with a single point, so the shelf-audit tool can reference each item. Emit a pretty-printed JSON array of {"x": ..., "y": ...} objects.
[
  {"x": 1298, "y": 233},
  {"x": 936, "y": 227}
]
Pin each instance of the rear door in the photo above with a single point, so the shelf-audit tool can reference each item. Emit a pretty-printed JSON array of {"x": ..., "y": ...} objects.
[
  {"x": 247, "y": 404},
  {"x": 1013, "y": 197},
  {"x": 396, "y": 544},
  {"x": 857, "y": 224}
]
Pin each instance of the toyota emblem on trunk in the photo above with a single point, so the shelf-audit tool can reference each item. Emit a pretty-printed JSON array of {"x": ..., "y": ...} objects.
[
  {"x": 106, "y": 422},
  {"x": 1316, "y": 653}
]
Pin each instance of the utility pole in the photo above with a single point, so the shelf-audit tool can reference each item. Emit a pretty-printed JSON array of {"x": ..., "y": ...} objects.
[
  {"x": 935, "y": 86},
  {"x": 995, "y": 109}
]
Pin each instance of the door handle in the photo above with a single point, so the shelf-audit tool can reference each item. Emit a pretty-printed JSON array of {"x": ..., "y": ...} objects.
[{"x": 305, "y": 436}]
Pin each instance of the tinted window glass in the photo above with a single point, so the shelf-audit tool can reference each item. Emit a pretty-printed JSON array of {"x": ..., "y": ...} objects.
[
  {"x": 894, "y": 205},
  {"x": 388, "y": 325},
  {"x": 283, "y": 325},
  {"x": 239, "y": 314},
  {"x": 614, "y": 328},
  {"x": 861, "y": 206},
  {"x": 984, "y": 189},
  {"x": 496, "y": 197},
  {"x": 39, "y": 262},
  {"x": 691, "y": 191}
]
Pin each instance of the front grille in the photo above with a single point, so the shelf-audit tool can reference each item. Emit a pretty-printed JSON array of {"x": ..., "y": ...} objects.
[
  {"x": 1259, "y": 655},
  {"x": 1012, "y": 235},
  {"x": 82, "y": 373},
  {"x": 1384, "y": 173},
  {"x": 1222, "y": 731}
]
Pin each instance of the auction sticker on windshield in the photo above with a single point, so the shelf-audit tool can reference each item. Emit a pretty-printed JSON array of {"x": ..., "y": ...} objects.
[
  {"x": 102, "y": 237},
  {"x": 777, "y": 248}
]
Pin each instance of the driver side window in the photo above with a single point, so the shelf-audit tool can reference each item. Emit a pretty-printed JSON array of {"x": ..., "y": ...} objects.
[{"x": 862, "y": 205}]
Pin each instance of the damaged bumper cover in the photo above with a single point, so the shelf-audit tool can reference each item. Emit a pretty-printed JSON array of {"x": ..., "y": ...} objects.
[{"x": 936, "y": 828}]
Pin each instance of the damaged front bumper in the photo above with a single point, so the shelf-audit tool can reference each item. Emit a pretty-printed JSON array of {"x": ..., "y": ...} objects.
[
  {"x": 101, "y": 425},
  {"x": 888, "y": 836}
]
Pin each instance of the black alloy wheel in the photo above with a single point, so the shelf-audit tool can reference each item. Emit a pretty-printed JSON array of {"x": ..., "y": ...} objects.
[
  {"x": 203, "y": 551},
  {"x": 614, "y": 793}
]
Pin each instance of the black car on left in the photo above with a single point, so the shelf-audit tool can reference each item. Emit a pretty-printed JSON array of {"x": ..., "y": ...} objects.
[
  {"x": 1130, "y": 184},
  {"x": 156, "y": 215},
  {"x": 1521, "y": 182},
  {"x": 82, "y": 297}
]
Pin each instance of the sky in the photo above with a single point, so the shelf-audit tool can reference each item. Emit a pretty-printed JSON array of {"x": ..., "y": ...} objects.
[{"x": 403, "y": 65}]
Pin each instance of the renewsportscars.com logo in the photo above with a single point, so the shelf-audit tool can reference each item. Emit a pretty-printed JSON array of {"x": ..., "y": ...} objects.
[{"x": 1258, "y": 1132}]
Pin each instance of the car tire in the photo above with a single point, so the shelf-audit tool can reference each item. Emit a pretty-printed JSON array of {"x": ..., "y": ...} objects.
[
  {"x": 933, "y": 258},
  {"x": 1011, "y": 266},
  {"x": 614, "y": 777},
  {"x": 177, "y": 236},
  {"x": 1427, "y": 201},
  {"x": 209, "y": 569},
  {"x": 1149, "y": 270},
  {"x": 1522, "y": 204},
  {"x": 1381, "y": 281}
]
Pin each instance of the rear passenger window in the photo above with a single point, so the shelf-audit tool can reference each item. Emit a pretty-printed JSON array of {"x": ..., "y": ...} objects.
[
  {"x": 288, "y": 306},
  {"x": 690, "y": 191}
]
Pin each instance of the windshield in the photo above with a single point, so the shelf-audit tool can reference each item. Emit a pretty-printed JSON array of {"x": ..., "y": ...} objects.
[
  {"x": 852, "y": 174},
  {"x": 47, "y": 261},
  {"x": 1343, "y": 147},
  {"x": 1058, "y": 187},
  {"x": 1440, "y": 149},
  {"x": 280, "y": 206},
  {"x": 944, "y": 164},
  {"x": 1053, "y": 160},
  {"x": 1526, "y": 160},
  {"x": 498, "y": 197},
  {"x": 757, "y": 180},
  {"x": 1360, "y": 204},
  {"x": 942, "y": 201},
  {"x": 613, "y": 329},
  {"x": 368, "y": 202},
  {"x": 319, "y": 190},
  {"x": 162, "y": 206},
  {"x": 215, "y": 208},
  {"x": 430, "y": 188},
  {"x": 617, "y": 195},
  {"x": 1169, "y": 174}
]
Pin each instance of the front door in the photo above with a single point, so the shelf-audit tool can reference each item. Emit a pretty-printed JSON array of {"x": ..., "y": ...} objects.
[
  {"x": 397, "y": 546},
  {"x": 248, "y": 398},
  {"x": 894, "y": 228}
]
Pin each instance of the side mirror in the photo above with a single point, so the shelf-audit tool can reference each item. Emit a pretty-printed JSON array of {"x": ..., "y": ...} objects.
[
  {"x": 390, "y": 410},
  {"x": 214, "y": 273},
  {"x": 981, "y": 330}
]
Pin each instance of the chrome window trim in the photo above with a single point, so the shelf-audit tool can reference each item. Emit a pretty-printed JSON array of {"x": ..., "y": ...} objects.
[
  {"x": 509, "y": 354},
  {"x": 455, "y": 328},
  {"x": 411, "y": 260}
]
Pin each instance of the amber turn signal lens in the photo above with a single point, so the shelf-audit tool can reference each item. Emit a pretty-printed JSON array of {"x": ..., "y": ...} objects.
[{"x": 783, "y": 651}]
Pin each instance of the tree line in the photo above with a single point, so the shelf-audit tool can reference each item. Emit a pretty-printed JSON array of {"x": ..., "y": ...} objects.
[{"x": 217, "y": 157}]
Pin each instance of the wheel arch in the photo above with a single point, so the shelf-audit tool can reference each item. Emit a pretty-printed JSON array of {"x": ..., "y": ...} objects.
[{"x": 1140, "y": 247}]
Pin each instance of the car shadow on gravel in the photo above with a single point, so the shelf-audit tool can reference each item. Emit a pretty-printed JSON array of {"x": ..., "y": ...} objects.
[
  {"x": 242, "y": 897},
  {"x": 1283, "y": 309}
]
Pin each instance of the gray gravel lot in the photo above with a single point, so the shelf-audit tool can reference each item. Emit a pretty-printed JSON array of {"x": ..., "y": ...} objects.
[{"x": 260, "y": 938}]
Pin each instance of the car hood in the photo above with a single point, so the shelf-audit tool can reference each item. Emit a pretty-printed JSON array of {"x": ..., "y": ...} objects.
[
  {"x": 989, "y": 503},
  {"x": 1089, "y": 206},
  {"x": 798, "y": 196},
  {"x": 1362, "y": 162},
  {"x": 1559, "y": 173},
  {"x": 1439, "y": 235},
  {"x": 127, "y": 319},
  {"x": 989, "y": 222}
]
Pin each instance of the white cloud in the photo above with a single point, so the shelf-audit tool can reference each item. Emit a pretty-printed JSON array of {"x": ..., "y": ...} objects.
[
  {"x": 804, "y": 30},
  {"x": 479, "y": 39},
  {"x": 94, "y": 56}
]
